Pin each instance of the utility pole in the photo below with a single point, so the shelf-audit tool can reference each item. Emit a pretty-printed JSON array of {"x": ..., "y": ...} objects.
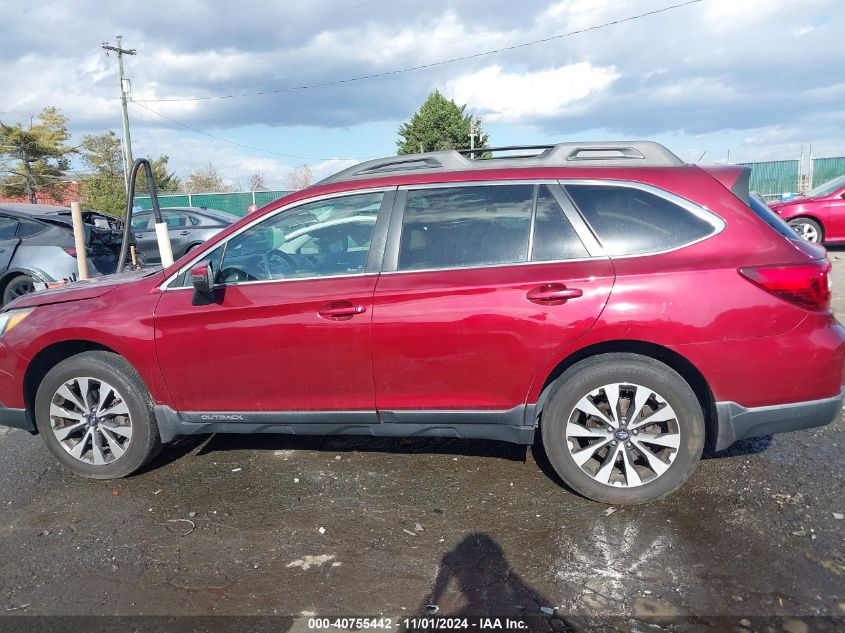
[
  {"x": 473, "y": 132},
  {"x": 127, "y": 140}
]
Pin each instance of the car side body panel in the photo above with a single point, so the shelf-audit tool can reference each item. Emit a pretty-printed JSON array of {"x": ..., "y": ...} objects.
[{"x": 470, "y": 339}]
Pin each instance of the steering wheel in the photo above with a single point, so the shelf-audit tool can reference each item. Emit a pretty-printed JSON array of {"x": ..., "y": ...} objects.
[{"x": 278, "y": 263}]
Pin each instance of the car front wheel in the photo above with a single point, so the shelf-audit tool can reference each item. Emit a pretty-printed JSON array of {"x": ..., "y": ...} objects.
[
  {"x": 94, "y": 414},
  {"x": 622, "y": 428}
]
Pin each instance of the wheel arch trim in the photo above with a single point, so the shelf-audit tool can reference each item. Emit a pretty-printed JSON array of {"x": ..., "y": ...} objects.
[
  {"x": 51, "y": 355},
  {"x": 683, "y": 366}
]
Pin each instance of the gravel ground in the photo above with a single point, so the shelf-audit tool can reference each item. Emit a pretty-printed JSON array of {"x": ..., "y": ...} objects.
[{"x": 264, "y": 525}]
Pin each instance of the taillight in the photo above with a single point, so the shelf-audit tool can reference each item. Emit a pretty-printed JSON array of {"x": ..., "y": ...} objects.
[
  {"x": 805, "y": 285},
  {"x": 70, "y": 251}
]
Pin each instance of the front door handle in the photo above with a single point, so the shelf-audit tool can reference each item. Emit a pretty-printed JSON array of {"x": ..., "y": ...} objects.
[
  {"x": 341, "y": 310},
  {"x": 552, "y": 294},
  {"x": 184, "y": 232}
]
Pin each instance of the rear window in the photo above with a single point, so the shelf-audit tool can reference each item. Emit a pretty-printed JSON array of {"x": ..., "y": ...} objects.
[
  {"x": 772, "y": 219},
  {"x": 630, "y": 221}
]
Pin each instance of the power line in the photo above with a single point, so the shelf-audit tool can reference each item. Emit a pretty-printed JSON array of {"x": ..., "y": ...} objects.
[
  {"x": 429, "y": 65},
  {"x": 231, "y": 142},
  {"x": 419, "y": 49}
]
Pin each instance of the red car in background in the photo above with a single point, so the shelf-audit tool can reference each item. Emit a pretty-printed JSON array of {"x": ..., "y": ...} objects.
[{"x": 820, "y": 215}]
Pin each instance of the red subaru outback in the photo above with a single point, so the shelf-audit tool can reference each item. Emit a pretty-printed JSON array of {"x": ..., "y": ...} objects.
[{"x": 631, "y": 307}]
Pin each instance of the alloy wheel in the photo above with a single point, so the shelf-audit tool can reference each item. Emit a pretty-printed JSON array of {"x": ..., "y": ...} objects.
[
  {"x": 91, "y": 420},
  {"x": 19, "y": 287},
  {"x": 623, "y": 435},
  {"x": 808, "y": 231}
]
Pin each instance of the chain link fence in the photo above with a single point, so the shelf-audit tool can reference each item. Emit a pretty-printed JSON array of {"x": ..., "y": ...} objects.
[
  {"x": 826, "y": 169},
  {"x": 236, "y": 203},
  {"x": 769, "y": 178},
  {"x": 774, "y": 177}
]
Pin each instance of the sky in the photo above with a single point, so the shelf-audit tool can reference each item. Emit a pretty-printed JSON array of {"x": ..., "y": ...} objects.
[{"x": 715, "y": 80}]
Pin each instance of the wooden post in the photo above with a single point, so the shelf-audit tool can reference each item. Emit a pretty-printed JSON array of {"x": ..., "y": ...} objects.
[{"x": 79, "y": 238}]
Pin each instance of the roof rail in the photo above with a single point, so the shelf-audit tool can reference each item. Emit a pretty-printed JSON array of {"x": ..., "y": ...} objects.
[{"x": 604, "y": 153}]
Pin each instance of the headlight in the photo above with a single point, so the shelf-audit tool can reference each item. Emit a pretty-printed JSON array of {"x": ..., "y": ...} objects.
[{"x": 10, "y": 319}]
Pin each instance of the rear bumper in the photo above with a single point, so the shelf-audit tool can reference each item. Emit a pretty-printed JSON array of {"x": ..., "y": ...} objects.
[
  {"x": 16, "y": 418},
  {"x": 736, "y": 422}
]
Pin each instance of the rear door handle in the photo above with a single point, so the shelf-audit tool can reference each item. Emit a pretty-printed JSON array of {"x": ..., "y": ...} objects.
[
  {"x": 552, "y": 294},
  {"x": 341, "y": 310}
]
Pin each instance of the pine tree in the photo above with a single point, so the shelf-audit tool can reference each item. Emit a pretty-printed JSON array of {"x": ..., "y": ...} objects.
[
  {"x": 35, "y": 156},
  {"x": 439, "y": 124}
]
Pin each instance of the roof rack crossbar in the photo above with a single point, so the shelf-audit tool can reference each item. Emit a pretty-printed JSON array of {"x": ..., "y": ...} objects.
[
  {"x": 505, "y": 148},
  {"x": 586, "y": 154}
]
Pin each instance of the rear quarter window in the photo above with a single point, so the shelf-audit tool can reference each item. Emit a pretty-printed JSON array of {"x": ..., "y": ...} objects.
[
  {"x": 27, "y": 228},
  {"x": 631, "y": 221}
]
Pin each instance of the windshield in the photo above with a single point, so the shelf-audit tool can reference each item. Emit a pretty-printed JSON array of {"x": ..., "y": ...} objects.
[{"x": 827, "y": 188}]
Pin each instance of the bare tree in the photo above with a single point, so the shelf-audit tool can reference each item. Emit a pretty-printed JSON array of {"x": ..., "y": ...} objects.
[
  {"x": 206, "y": 180},
  {"x": 299, "y": 178},
  {"x": 258, "y": 182}
]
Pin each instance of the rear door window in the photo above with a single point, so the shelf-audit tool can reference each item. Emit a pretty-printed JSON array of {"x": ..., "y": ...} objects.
[
  {"x": 554, "y": 237},
  {"x": 469, "y": 226},
  {"x": 174, "y": 220},
  {"x": 631, "y": 221}
]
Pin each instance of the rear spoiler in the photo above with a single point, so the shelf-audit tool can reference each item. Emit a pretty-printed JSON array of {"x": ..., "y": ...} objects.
[{"x": 734, "y": 177}]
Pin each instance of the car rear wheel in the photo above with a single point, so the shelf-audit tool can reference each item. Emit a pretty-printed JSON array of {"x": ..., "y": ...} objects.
[
  {"x": 623, "y": 428},
  {"x": 809, "y": 229},
  {"x": 94, "y": 414},
  {"x": 18, "y": 287}
]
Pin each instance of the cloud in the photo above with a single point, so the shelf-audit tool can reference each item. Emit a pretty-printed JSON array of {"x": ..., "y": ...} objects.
[
  {"x": 717, "y": 68},
  {"x": 520, "y": 97}
]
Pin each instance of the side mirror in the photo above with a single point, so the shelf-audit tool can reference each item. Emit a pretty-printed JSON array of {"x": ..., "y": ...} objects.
[{"x": 202, "y": 278}]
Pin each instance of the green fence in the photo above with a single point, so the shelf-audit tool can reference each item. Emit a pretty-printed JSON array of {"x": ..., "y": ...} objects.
[
  {"x": 826, "y": 169},
  {"x": 236, "y": 203},
  {"x": 774, "y": 177}
]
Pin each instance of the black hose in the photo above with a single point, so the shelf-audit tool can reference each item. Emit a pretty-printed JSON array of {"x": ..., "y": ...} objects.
[{"x": 127, "y": 222}]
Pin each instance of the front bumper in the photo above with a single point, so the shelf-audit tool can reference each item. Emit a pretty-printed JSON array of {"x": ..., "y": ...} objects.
[
  {"x": 16, "y": 418},
  {"x": 736, "y": 422}
]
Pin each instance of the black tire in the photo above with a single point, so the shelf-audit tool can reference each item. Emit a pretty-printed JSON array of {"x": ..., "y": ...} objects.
[
  {"x": 17, "y": 287},
  {"x": 603, "y": 370},
  {"x": 145, "y": 442},
  {"x": 815, "y": 232}
]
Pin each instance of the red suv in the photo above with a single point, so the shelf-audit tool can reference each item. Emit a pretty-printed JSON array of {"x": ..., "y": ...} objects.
[
  {"x": 820, "y": 215},
  {"x": 631, "y": 307}
]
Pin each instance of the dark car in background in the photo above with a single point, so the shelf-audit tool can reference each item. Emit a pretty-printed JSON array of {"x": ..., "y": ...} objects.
[
  {"x": 37, "y": 246},
  {"x": 818, "y": 216},
  {"x": 188, "y": 227}
]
